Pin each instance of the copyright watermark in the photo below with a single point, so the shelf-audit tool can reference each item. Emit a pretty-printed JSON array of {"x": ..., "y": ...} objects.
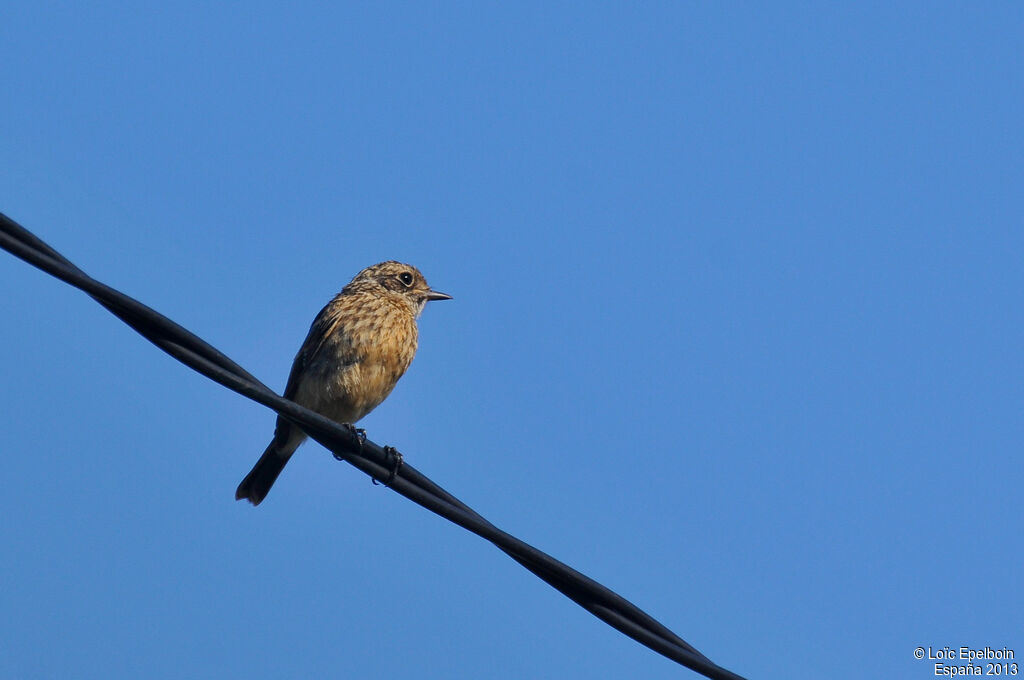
[{"x": 963, "y": 661}]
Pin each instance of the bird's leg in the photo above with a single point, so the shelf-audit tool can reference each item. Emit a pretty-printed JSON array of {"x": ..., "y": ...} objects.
[
  {"x": 358, "y": 432},
  {"x": 396, "y": 456},
  {"x": 398, "y": 460}
]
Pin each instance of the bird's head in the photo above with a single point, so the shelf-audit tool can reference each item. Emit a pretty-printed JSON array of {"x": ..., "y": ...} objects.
[{"x": 395, "y": 279}]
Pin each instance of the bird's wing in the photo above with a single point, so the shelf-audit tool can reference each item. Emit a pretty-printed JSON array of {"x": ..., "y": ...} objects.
[{"x": 327, "y": 326}]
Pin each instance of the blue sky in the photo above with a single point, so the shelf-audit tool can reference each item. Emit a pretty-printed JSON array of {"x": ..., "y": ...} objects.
[{"x": 737, "y": 331}]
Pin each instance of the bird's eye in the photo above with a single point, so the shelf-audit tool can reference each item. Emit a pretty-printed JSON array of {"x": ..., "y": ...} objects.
[{"x": 405, "y": 278}]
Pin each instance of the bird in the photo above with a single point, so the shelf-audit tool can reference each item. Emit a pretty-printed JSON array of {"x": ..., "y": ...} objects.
[{"x": 357, "y": 348}]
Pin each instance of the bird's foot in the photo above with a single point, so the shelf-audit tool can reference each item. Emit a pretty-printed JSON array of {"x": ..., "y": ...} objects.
[
  {"x": 358, "y": 432},
  {"x": 396, "y": 458}
]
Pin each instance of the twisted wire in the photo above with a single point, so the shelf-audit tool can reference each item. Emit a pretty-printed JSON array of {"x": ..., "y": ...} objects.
[{"x": 365, "y": 455}]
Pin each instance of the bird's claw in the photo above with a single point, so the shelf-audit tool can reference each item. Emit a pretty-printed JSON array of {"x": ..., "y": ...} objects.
[
  {"x": 396, "y": 456},
  {"x": 358, "y": 432}
]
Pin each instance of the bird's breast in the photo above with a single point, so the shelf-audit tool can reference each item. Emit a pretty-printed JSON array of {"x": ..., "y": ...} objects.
[{"x": 383, "y": 346}]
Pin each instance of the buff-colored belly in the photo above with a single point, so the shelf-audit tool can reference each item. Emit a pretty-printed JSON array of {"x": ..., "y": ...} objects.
[{"x": 349, "y": 394}]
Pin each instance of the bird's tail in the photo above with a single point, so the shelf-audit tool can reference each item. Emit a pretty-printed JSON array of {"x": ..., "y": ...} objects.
[{"x": 257, "y": 483}]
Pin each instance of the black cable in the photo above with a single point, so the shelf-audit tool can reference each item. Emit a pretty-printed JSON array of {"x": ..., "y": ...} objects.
[{"x": 364, "y": 455}]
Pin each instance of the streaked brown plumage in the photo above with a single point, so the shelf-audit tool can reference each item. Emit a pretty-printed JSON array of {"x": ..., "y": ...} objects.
[{"x": 358, "y": 347}]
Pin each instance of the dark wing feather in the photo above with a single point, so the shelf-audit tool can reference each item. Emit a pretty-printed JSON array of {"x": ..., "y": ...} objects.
[
  {"x": 327, "y": 329},
  {"x": 325, "y": 323}
]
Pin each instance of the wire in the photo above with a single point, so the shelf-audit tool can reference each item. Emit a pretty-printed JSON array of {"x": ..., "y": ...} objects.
[{"x": 365, "y": 455}]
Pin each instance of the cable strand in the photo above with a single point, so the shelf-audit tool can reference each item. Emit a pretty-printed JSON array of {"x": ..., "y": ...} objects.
[{"x": 366, "y": 456}]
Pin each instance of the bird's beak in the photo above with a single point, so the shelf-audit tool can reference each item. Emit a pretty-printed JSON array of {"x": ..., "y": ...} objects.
[{"x": 435, "y": 295}]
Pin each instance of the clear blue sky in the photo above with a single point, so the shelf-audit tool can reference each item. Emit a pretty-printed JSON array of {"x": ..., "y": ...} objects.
[{"x": 737, "y": 331}]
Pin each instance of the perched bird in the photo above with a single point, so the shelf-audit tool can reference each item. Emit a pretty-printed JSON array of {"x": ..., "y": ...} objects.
[{"x": 358, "y": 347}]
